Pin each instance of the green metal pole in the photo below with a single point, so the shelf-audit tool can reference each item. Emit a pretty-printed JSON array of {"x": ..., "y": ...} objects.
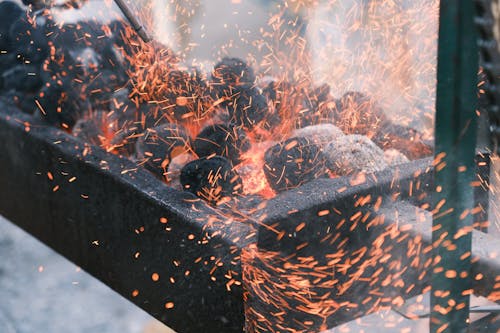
[{"x": 454, "y": 166}]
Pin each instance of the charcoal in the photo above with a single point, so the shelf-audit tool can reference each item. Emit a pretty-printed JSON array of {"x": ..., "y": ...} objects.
[
  {"x": 99, "y": 88},
  {"x": 280, "y": 94},
  {"x": 404, "y": 139},
  {"x": 23, "y": 78},
  {"x": 322, "y": 93},
  {"x": 357, "y": 113},
  {"x": 248, "y": 109},
  {"x": 10, "y": 12},
  {"x": 186, "y": 92},
  {"x": 230, "y": 77},
  {"x": 132, "y": 113},
  {"x": 23, "y": 101},
  {"x": 352, "y": 154},
  {"x": 212, "y": 179},
  {"x": 221, "y": 140},
  {"x": 320, "y": 134},
  {"x": 233, "y": 72},
  {"x": 28, "y": 39},
  {"x": 60, "y": 104},
  {"x": 292, "y": 163},
  {"x": 159, "y": 145},
  {"x": 93, "y": 129}
]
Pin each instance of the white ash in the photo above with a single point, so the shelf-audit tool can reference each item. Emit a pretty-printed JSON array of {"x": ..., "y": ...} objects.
[
  {"x": 395, "y": 157},
  {"x": 321, "y": 134},
  {"x": 175, "y": 167},
  {"x": 354, "y": 153}
]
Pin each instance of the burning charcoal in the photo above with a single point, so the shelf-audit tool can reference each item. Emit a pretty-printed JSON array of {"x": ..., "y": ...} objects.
[
  {"x": 212, "y": 179},
  {"x": 395, "y": 157},
  {"x": 28, "y": 38},
  {"x": 293, "y": 163},
  {"x": 350, "y": 154},
  {"x": 10, "y": 12},
  {"x": 321, "y": 134},
  {"x": 221, "y": 140},
  {"x": 404, "y": 139},
  {"x": 231, "y": 76},
  {"x": 248, "y": 109},
  {"x": 60, "y": 104},
  {"x": 159, "y": 145},
  {"x": 94, "y": 129},
  {"x": 356, "y": 113},
  {"x": 25, "y": 78}
]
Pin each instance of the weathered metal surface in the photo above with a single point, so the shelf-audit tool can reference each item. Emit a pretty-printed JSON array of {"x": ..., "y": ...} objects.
[
  {"x": 101, "y": 213},
  {"x": 455, "y": 144}
]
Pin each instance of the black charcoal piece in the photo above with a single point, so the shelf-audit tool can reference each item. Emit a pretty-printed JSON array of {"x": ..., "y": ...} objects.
[
  {"x": 129, "y": 112},
  {"x": 292, "y": 163},
  {"x": 9, "y": 13},
  {"x": 212, "y": 179},
  {"x": 23, "y": 77},
  {"x": 248, "y": 109},
  {"x": 28, "y": 39},
  {"x": 60, "y": 104},
  {"x": 230, "y": 77},
  {"x": 222, "y": 140},
  {"x": 185, "y": 91},
  {"x": 357, "y": 113},
  {"x": 100, "y": 86},
  {"x": 159, "y": 145},
  {"x": 233, "y": 72}
]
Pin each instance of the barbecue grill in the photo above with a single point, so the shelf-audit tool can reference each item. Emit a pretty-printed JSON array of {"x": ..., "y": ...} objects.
[{"x": 309, "y": 259}]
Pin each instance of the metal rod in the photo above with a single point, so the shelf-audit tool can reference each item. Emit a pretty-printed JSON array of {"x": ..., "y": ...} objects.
[
  {"x": 454, "y": 167},
  {"x": 139, "y": 29}
]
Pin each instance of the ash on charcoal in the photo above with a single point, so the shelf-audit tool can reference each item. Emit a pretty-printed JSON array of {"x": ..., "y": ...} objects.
[
  {"x": 404, "y": 139},
  {"x": 212, "y": 179},
  {"x": 357, "y": 113},
  {"x": 321, "y": 134},
  {"x": 292, "y": 163},
  {"x": 350, "y": 154},
  {"x": 159, "y": 145},
  {"x": 395, "y": 157},
  {"x": 227, "y": 141}
]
